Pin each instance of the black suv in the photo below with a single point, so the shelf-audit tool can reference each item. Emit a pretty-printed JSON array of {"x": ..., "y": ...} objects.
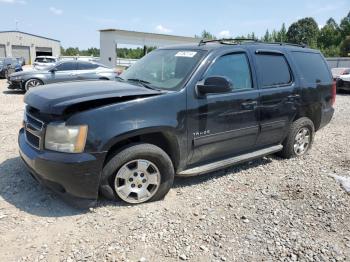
[{"x": 183, "y": 110}]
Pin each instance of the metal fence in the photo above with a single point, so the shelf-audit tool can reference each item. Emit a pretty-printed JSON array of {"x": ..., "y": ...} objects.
[{"x": 338, "y": 62}]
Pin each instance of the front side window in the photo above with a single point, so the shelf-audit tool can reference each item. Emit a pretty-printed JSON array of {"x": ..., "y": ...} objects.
[
  {"x": 273, "y": 70},
  {"x": 165, "y": 68},
  {"x": 235, "y": 67},
  {"x": 66, "y": 66}
]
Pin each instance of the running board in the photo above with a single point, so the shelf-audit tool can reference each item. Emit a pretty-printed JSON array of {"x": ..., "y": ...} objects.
[{"x": 230, "y": 161}]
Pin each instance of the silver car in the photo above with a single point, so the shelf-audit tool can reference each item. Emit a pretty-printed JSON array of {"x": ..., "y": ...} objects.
[
  {"x": 60, "y": 72},
  {"x": 42, "y": 62}
]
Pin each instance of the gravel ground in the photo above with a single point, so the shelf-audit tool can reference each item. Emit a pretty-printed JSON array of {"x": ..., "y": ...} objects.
[{"x": 266, "y": 210}]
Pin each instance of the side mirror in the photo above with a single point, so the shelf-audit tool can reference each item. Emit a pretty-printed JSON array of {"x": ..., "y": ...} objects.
[
  {"x": 53, "y": 70},
  {"x": 214, "y": 85}
]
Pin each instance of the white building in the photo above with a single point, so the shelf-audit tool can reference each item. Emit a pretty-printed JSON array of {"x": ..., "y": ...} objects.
[
  {"x": 29, "y": 46},
  {"x": 110, "y": 38}
]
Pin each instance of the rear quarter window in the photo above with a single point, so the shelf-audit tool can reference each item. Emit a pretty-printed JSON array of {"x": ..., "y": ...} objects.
[{"x": 312, "y": 67}]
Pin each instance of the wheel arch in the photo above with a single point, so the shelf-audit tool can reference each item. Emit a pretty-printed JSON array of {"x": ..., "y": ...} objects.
[
  {"x": 165, "y": 139},
  {"x": 33, "y": 78},
  {"x": 103, "y": 78},
  {"x": 313, "y": 112}
]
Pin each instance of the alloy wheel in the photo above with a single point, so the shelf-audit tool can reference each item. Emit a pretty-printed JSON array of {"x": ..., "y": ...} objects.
[
  {"x": 302, "y": 141},
  {"x": 32, "y": 83},
  {"x": 137, "y": 181}
]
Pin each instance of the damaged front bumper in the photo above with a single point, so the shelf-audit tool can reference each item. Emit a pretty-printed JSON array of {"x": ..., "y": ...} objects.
[{"x": 75, "y": 177}]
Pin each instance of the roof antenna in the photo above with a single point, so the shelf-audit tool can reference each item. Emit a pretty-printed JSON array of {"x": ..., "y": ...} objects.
[{"x": 16, "y": 21}]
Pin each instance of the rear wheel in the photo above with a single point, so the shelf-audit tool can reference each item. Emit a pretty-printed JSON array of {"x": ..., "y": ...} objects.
[
  {"x": 6, "y": 74},
  {"x": 299, "y": 139},
  {"x": 32, "y": 83},
  {"x": 138, "y": 174}
]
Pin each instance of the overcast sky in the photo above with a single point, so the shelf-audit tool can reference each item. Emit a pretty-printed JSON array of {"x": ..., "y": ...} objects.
[{"x": 76, "y": 22}]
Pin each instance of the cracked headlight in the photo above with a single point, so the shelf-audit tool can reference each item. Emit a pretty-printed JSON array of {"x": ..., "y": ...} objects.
[{"x": 62, "y": 138}]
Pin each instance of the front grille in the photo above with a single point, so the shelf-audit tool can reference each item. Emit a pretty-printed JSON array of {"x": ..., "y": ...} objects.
[
  {"x": 33, "y": 140},
  {"x": 33, "y": 131},
  {"x": 35, "y": 122}
]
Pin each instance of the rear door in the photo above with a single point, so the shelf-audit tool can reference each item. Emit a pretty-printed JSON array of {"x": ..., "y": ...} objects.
[
  {"x": 86, "y": 70},
  {"x": 279, "y": 95}
]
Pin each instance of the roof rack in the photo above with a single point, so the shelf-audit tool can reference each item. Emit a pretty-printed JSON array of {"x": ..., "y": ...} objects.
[
  {"x": 228, "y": 41},
  {"x": 235, "y": 41},
  {"x": 285, "y": 43}
]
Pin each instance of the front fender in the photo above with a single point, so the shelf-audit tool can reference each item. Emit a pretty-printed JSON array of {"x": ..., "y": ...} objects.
[{"x": 110, "y": 124}]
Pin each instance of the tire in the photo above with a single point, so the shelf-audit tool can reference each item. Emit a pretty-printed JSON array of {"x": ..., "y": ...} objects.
[
  {"x": 119, "y": 180},
  {"x": 291, "y": 146},
  {"x": 6, "y": 74},
  {"x": 33, "y": 82}
]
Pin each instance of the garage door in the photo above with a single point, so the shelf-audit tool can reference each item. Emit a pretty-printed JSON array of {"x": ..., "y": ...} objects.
[
  {"x": 39, "y": 51},
  {"x": 21, "y": 51},
  {"x": 2, "y": 51}
]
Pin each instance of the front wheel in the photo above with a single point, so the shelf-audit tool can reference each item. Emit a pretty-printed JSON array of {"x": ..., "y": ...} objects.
[
  {"x": 299, "y": 139},
  {"x": 32, "y": 83},
  {"x": 140, "y": 173},
  {"x": 6, "y": 74}
]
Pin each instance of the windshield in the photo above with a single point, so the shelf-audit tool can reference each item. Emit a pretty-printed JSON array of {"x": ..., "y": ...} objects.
[{"x": 164, "y": 68}]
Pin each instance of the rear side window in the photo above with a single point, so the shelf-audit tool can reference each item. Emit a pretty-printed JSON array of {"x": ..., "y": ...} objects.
[
  {"x": 273, "y": 70},
  {"x": 312, "y": 67},
  {"x": 66, "y": 66},
  {"x": 86, "y": 66},
  {"x": 235, "y": 67},
  {"x": 40, "y": 59}
]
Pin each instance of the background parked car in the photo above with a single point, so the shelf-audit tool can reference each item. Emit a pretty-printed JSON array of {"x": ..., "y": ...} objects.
[
  {"x": 338, "y": 71},
  {"x": 343, "y": 82},
  {"x": 42, "y": 62},
  {"x": 21, "y": 61},
  {"x": 9, "y": 65},
  {"x": 60, "y": 72}
]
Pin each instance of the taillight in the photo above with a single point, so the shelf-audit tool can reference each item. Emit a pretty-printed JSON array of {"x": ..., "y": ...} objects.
[{"x": 334, "y": 92}]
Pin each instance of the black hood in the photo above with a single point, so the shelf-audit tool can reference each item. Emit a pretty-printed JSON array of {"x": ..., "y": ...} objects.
[{"x": 56, "y": 98}]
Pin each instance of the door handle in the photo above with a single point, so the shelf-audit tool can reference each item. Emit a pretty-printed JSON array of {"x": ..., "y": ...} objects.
[
  {"x": 293, "y": 97},
  {"x": 249, "y": 105}
]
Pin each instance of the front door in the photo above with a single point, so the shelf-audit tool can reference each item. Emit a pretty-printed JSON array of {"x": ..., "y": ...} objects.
[
  {"x": 65, "y": 71},
  {"x": 226, "y": 124}
]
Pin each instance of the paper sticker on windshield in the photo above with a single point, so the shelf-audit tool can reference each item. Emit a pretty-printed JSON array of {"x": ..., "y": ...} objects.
[{"x": 186, "y": 54}]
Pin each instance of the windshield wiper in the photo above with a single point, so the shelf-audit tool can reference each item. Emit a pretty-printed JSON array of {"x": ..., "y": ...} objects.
[
  {"x": 119, "y": 78},
  {"x": 144, "y": 83}
]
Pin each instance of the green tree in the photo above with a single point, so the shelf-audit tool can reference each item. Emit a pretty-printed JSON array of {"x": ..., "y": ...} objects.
[
  {"x": 303, "y": 31},
  {"x": 345, "y": 47},
  {"x": 329, "y": 34},
  {"x": 345, "y": 26},
  {"x": 71, "y": 51},
  {"x": 282, "y": 34},
  {"x": 274, "y": 37},
  {"x": 267, "y": 37},
  {"x": 206, "y": 35}
]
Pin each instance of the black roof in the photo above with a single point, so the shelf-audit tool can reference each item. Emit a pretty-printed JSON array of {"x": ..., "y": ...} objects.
[{"x": 14, "y": 31}]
